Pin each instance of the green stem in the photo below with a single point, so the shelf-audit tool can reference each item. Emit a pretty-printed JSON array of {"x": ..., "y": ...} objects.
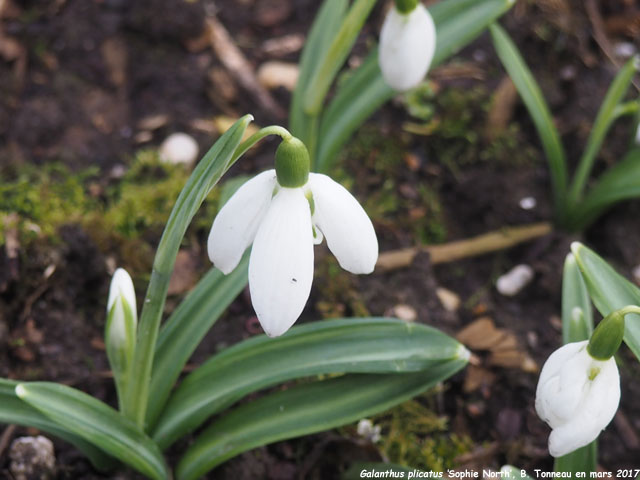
[
  {"x": 256, "y": 137},
  {"x": 336, "y": 55},
  {"x": 214, "y": 164},
  {"x": 629, "y": 309}
]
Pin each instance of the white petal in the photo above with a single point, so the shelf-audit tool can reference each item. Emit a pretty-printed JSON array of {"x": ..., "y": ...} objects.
[
  {"x": 122, "y": 285},
  {"x": 281, "y": 263},
  {"x": 407, "y": 45},
  {"x": 549, "y": 384},
  {"x": 236, "y": 224},
  {"x": 345, "y": 224}
]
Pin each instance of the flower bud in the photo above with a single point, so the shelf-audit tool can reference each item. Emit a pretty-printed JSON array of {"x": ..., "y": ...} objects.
[
  {"x": 122, "y": 320},
  {"x": 292, "y": 163},
  {"x": 407, "y": 45},
  {"x": 577, "y": 395}
]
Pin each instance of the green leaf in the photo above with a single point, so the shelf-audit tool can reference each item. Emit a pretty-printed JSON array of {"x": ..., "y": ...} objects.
[
  {"x": 324, "y": 28},
  {"x": 620, "y": 182},
  {"x": 609, "y": 291},
  {"x": 539, "y": 111},
  {"x": 96, "y": 423},
  {"x": 458, "y": 22},
  {"x": 204, "y": 177},
  {"x": 366, "y": 345},
  {"x": 305, "y": 409},
  {"x": 334, "y": 57},
  {"x": 577, "y": 314},
  {"x": 585, "y": 459},
  {"x": 187, "y": 326},
  {"x": 605, "y": 118},
  {"x": 15, "y": 411}
]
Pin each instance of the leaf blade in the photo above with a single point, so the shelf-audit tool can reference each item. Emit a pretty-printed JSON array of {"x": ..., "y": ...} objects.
[
  {"x": 332, "y": 346},
  {"x": 609, "y": 291},
  {"x": 96, "y": 423},
  {"x": 303, "y": 410}
]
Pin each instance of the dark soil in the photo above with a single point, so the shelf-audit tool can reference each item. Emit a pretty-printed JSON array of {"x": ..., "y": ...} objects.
[{"x": 94, "y": 69}]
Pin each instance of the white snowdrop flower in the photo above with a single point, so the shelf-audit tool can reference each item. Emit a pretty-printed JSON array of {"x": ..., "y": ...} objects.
[
  {"x": 577, "y": 396},
  {"x": 283, "y": 212},
  {"x": 407, "y": 44}
]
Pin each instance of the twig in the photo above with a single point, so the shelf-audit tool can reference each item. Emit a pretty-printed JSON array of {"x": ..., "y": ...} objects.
[
  {"x": 600, "y": 36},
  {"x": 6, "y": 437},
  {"x": 449, "y": 252},
  {"x": 239, "y": 67}
]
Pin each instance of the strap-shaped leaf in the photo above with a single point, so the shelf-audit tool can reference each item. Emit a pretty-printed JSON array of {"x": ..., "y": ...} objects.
[
  {"x": 204, "y": 177},
  {"x": 366, "y": 345},
  {"x": 606, "y": 116},
  {"x": 538, "y": 109},
  {"x": 303, "y": 410},
  {"x": 609, "y": 291},
  {"x": 189, "y": 323},
  {"x": 577, "y": 314},
  {"x": 620, "y": 182},
  {"x": 97, "y": 423},
  {"x": 324, "y": 28},
  {"x": 15, "y": 411},
  {"x": 458, "y": 22},
  {"x": 577, "y": 325}
]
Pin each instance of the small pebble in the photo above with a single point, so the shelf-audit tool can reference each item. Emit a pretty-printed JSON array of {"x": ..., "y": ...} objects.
[
  {"x": 369, "y": 431},
  {"x": 32, "y": 458},
  {"x": 179, "y": 148},
  {"x": 624, "y": 50},
  {"x": 404, "y": 312},
  {"x": 514, "y": 280},
  {"x": 636, "y": 274},
  {"x": 528, "y": 203},
  {"x": 449, "y": 300}
]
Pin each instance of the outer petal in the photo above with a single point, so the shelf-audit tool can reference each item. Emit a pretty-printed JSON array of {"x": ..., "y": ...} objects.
[
  {"x": 236, "y": 224},
  {"x": 592, "y": 416},
  {"x": 281, "y": 263},
  {"x": 549, "y": 385},
  {"x": 122, "y": 285},
  {"x": 407, "y": 45},
  {"x": 345, "y": 224}
]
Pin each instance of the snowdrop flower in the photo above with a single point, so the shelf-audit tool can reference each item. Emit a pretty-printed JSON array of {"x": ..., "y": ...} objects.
[
  {"x": 577, "y": 396},
  {"x": 283, "y": 212},
  {"x": 407, "y": 44},
  {"x": 122, "y": 319}
]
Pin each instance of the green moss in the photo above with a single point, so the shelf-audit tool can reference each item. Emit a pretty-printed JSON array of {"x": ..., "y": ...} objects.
[
  {"x": 454, "y": 120},
  {"x": 374, "y": 168},
  {"x": 122, "y": 215},
  {"x": 412, "y": 434}
]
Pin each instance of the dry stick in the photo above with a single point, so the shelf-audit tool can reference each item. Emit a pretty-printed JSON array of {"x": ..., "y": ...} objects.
[
  {"x": 239, "y": 67},
  {"x": 6, "y": 438},
  {"x": 449, "y": 252}
]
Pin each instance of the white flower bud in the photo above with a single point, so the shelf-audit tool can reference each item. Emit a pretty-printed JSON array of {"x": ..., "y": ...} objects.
[
  {"x": 577, "y": 396},
  {"x": 407, "y": 45},
  {"x": 122, "y": 319}
]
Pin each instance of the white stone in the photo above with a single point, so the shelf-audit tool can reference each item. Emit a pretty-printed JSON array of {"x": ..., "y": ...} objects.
[
  {"x": 32, "y": 457},
  {"x": 179, "y": 148},
  {"x": 528, "y": 203},
  {"x": 636, "y": 274},
  {"x": 449, "y": 300},
  {"x": 369, "y": 431},
  {"x": 514, "y": 280}
]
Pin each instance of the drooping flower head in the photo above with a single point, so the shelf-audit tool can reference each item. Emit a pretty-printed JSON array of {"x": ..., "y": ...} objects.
[
  {"x": 407, "y": 44},
  {"x": 579, "y": 388},
  {"x": 284, "y": 212}
]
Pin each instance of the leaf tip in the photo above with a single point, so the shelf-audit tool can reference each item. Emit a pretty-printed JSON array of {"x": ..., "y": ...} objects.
[
  {"x": 463, "y": 353},
  {"x": 575, "y": 248},
  {"x": 21, "y": 392}
]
